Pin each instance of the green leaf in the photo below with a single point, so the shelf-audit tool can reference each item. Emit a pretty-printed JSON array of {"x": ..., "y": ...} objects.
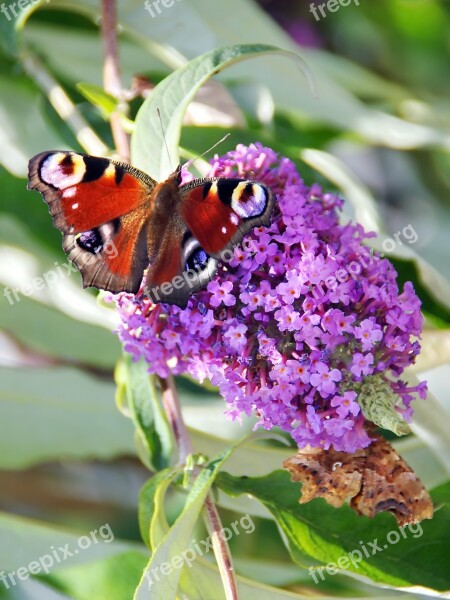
[
  {"x": 364, "y": 205},
  {"x": 46, "y": 330},
  {"x": 150, "y": 420},
  {"x": 209, "y": 585},
  {"x": 149, "y": 502},
  {"x": 441, "y": 495},
  {"x": 114, "y": 578},
  {"x": 316, "y": 531},
  {"x": 23, "y": 540},
  {"x": 41, "y": 299},
  {"x": 34, "y": 225},
  {"x": 216, "y": 24},
  {"x": 56, "y": 414},
  {"x": 106, "y": 103},
  {"x": 21, "y": 112},
  {"x": 205, "y": 583},
  {"x": 108, "y": 569},
  {"x": 176, "y": 541},
  {"x": 171, "y": 97},
  {"x": 12, "y": 19}
]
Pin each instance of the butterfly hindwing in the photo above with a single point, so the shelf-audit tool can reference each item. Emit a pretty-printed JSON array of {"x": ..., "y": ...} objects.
[
  {"x": 176, "y": 276},
  {"x": 102, "y": 209},
  {"x": 219, "y": 212},
  {"x": 113, "y": 256}
]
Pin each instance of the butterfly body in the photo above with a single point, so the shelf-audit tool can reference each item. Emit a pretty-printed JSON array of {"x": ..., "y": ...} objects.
[{"x": 117, "y": 222}]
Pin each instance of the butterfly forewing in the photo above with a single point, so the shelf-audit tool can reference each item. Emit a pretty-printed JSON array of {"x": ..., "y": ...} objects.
[
  {"x": 219, "y": 212},
  {"x": 101, "y": 207},
  {"x": 84, "y": 192}
]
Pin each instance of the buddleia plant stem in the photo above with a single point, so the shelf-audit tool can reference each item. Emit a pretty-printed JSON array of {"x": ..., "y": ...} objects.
[
  {"x": 111, "y": 76},
  {"x": 112, "y": 84},
  {"x": 211, "y": 515}
]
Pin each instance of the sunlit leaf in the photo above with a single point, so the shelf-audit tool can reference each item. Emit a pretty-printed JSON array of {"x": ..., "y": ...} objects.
[
  {"x": 176, "y": 542},
  {"x": 145, "y": 407},
  {"x": 97, "y": 96},
  {"x": 42, "y": 537},
  {"x": 150, "y": 508},
  {"x": 318, "y": 532},
  {"x": 113, "y": 578},
  {"x": 52, "y": 414},
  {"x": 170, "y": 99}
]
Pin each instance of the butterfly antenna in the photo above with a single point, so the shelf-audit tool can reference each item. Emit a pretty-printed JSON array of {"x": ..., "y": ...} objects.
[
  {"x": 164, "y": 138},
  {"x": 189, "y": 162}
]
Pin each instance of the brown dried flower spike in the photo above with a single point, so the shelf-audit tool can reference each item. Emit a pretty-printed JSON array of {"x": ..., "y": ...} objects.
[{"x": 376, "y": 479}]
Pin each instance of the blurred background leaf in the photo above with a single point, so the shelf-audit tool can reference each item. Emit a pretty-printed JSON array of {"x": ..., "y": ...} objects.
[{"x": 378, "y": 132}]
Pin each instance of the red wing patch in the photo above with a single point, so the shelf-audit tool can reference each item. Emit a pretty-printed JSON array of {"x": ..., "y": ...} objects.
[
  {"x": 220, "y": 212},
  {"x": 211, "y": 221},
  {"x": 84, "y": 192}
]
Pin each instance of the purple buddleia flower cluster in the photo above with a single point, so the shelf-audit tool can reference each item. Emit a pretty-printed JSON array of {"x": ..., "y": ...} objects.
[{"x": 295, "y": 322}]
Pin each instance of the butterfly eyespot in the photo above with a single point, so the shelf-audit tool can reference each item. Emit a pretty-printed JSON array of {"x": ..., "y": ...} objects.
[
  {"x": 91, "y": 241},
  {"x": 197, "y": 261}
]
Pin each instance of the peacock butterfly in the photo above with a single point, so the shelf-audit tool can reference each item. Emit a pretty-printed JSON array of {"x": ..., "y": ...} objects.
[{"x": 177, "y": 232}]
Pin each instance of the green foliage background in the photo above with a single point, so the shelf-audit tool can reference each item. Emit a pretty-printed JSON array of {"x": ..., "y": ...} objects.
[{"x": 378, "y": 130}]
